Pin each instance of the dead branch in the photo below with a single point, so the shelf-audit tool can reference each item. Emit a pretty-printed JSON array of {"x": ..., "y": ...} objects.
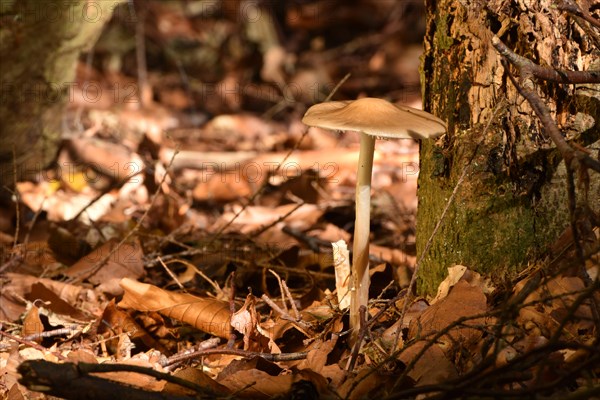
[{"x": 73, "y": 381}]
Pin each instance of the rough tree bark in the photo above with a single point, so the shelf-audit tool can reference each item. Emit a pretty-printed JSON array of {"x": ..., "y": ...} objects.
[
  {"x": 40, "y": 42},
  {"x": 513, "y": 202}
]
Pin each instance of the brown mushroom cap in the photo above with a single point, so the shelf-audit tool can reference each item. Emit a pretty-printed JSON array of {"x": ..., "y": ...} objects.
[{"x": 375, "y": 117}]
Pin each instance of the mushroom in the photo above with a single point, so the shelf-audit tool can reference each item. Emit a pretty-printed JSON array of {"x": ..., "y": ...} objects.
[{"x": 372, "y": 118}]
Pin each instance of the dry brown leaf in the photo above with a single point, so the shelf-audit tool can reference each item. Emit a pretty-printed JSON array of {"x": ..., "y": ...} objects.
[
  {"x": 220, "y": 186},
  {"x": 368, "y": 385},
  {"x": 388, "y": 337},
  {"x": 241, "y": 128},
  {"x": 547, "y": 315},
  {"x": 464, "y": 300},
  {"x": 34, "y": 258},
  {"x": 32, "y": 324},
  {"x": 457, "y": 273},
  {"x": 54, "y": 303},
  {"x": 247, "y": 322},
  {"x": 317, "y": 311},
  {"x": 63, "y": 205},
  {"x": 431, "y": 368},
  {"x": 198, "y": 377},
  {"x": 316, "y": 359},
  {"x": 113, "y": 160},
  {"x": 330, "y": 233},
  {"x": 211, "y": 162},
  {"x": 82, "y": 355},
  {"x": 21, "y": 284},
  {"x": 18, "y": 287},
  {"x": 11, "y": 306},
  {"x": 255, "y": 217},
  {"x": 15, "y": 393},
  {"x": 126, "y": 262},
  {"x": 148, "y": 360},
  {"x": 115, "y": 322},
  {"x": 206, "y": 314},
  {"x": 256, "y": 384}
]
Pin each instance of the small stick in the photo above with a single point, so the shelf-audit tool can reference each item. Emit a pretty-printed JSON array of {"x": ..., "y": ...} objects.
[
  {"x": 33, "y": 344},
  {"x": 291, "y": 299},
  {"x": 242, "y": 353},
  {"x": 548, "y": 74},
  {"x": 204, "y": 345},
  {"x": 571, "y": 7},
  {"x": 54, "y": 332},
  {"x": 171, "y": 274},
  {"x": 362, "y": 312},
  {"x": 303, "y": 325},
  {"x": 281, "y": 289},
  {"x": 232, "y": 335}
]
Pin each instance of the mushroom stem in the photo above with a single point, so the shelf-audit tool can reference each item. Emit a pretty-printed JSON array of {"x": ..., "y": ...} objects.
[{"x": 360, "y": 245}]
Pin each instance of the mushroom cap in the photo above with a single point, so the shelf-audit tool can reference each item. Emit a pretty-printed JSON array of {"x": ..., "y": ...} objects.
[{"x": 375, "y": 117}]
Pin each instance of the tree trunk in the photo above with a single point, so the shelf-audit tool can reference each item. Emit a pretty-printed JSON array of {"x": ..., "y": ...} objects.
[
  {"x": 512, "y": 203},
  {"x": 40, "y": 42}
]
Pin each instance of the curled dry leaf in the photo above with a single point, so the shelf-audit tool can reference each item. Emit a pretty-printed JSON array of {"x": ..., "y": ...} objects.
[
  {"x": 247, "y": 321},
  {"x": 206, "y": 314}
]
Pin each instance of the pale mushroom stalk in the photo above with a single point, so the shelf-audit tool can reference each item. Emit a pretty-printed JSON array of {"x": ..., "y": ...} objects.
[
  {"x": 372, "y": 118},
  {"x": 362, "y": 228}
]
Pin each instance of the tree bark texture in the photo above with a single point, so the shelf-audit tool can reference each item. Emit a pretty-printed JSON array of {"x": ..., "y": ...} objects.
[
  {"x": 512, "y": 204},
  {"x": 40, "y": 42}
]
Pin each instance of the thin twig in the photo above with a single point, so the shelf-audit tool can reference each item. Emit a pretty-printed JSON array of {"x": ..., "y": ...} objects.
[
  {"x": 204, "y": 345},
  {"x": 280, "y": 282},
  {"x": 303, "y": 325},
  {"x": 363, "y": 327},
  {"x": 286, "y": 289},
  {"x": 17, "y": 199},
  {"x": 548, "y": 74},
  {"x": 573, "y": 8},
  {"x": 543, "y": 113},
  {"x": 241, "y": 353},
  {"x": 51, "y": 333},
  {"x": 33, "y": 344},
  {"x": 232, "y": 335}
]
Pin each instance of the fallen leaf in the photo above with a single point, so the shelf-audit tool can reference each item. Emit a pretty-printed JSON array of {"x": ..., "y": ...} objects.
[
  {"x": 463, "y": 300},
  {"x": 206, "y": 314},
  {"x": 125, "y": 262},
  {"x": 431, "y": 368}
]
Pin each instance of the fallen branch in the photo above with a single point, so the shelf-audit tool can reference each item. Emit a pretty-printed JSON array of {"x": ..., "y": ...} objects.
[{"x": 74, "y": 381}]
